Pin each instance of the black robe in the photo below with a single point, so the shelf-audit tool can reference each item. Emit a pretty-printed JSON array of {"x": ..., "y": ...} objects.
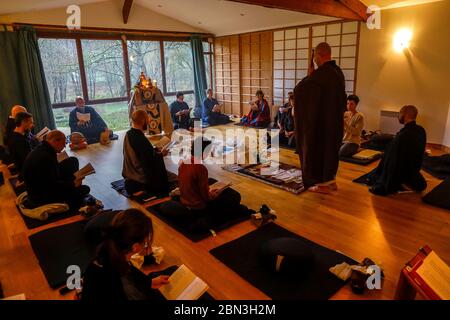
[
  {"x": 320, "y": 103},
  {"x": 401, "y": 162}
]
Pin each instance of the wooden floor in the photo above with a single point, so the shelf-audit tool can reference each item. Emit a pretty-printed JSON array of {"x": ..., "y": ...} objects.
[{"x": 387, "y": 229}]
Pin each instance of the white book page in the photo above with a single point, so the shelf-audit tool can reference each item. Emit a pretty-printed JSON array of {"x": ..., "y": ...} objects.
[
  {"x": 436, "y": 273},
  {"x": 42, "y": 132},
  {"x": 85, "y": 117},
  {"x": 178, "y": 282},
  {"x": 85, "y": 171},
  {"x": 194, "y": 290}
]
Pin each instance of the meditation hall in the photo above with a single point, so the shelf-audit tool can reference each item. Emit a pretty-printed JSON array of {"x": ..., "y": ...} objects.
[{"x": 252, "y": 152}]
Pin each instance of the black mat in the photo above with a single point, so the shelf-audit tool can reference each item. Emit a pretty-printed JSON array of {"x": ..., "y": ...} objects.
[
  {"x": 35, "y": 223},
  {"x": 362, "y": 162},
  {"x": 440, "y": 195},
  {"x": 180, "y": 226},
  {"x": 143, "y": 198},
  {"x": 438, "y": 167},
  {"x": 241, "y": 255},
  {"x": 248, "y": 126},
  {"x": 59, "y": 247},
  {"x": 364, "y": 178}
]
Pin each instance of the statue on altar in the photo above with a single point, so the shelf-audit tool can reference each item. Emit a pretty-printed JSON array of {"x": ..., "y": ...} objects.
[{"x": 147, "y": 96}]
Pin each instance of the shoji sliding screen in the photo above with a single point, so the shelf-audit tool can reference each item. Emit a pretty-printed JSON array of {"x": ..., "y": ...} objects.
[{"x": 292, "y": 50}]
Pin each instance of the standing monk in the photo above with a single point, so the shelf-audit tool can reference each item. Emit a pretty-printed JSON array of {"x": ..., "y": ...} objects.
[{"x": 320, "y": 103}]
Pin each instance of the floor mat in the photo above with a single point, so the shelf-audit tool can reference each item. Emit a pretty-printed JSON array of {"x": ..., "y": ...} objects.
[
  {"x": 181, "y": 227},
  {"x": 364, "y": 178},
  {"x": 439, "y": 196},
  {"x": 59, "y": 247},
  {"x": 287, "y": 177},
  {"x": 317, "y": 284},
  {"x": 142, "y": 198},
  {"x": 438, "y": 167},
  {"x": 362, "y": 162}
]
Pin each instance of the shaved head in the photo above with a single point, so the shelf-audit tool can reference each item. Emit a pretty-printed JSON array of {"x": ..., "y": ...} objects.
[
  {"x": 322, "y": 53},
  {"x": 56, "y": 139},
  {"x": 407, "y": 114},
  {"x": 17, "y": 109},
  {"x": 139, "y": 119}
]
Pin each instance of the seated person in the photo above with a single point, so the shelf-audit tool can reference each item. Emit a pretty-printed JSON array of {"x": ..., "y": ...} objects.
[
  {"x": 353, "y": 126},
  {"x": 259, "y": 115},
  {"x": 143, "y": 165},
  {"x": 91, "y": 125},
  {"x": 211, "y": 112},
  {"x": 284, "y": 121},
  {"x": 111, "y": 276},
  {"x": 18, "y": 143},
  {"x": 400, "y": 166},
  {"x": 11, "y": 125},
  {"x": 179, "y": 110},
  {"x": 195, "y": 193},
  {"x": 48, "y": 181}
]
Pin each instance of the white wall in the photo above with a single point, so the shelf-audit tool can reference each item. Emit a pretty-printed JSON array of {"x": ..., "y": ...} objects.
[
  {"x": 106, "y": 15},
  {"x": 388, "y": 80}
]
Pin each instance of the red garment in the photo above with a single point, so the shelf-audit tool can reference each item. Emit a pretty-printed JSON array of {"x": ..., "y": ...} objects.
[
  {"x": 260, "y": 117},
  {"x": 193, "y": 184}
]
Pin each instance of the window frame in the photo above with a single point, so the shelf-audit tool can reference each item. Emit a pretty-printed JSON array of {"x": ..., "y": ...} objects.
[{"x": 123, "y": 38}]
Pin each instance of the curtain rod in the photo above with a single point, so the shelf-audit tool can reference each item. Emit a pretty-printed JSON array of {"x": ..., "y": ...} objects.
[{"x": 87, "y": 30}]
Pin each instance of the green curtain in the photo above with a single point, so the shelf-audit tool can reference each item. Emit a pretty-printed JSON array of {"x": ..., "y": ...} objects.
[
  {"x": 200, "y": 81},
  {"x": 22, "y": 79}
]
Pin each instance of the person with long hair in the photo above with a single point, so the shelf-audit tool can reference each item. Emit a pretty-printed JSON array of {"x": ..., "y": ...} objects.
[{"x": 111, "y": 276}]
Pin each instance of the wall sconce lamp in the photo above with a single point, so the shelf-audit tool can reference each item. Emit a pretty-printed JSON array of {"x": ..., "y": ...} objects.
[{"x": 402, "y": 39}]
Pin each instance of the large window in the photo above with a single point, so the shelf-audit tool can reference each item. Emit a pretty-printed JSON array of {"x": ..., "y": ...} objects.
[
  {"x": 145, "y": 56},
  {"x": 61, "y": 68},
  {"x": 179, "y": 66},
  {"x": 104, "y": 72}
]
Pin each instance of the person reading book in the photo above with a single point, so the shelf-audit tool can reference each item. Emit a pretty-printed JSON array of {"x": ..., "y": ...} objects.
[
  {"x": 111, "y": 276},
  {"x": 180, "y": 113},
  {"x": 11, "y": 126},
  {"x": 284, "y": 121},
  {"x": 47, "y": 180},
  {"x": 353, "y": 126},
  {"x": 86, "y": 120},
  {"x": 259, "y": 115},
  {"x": 211, "y": 111},
  {"x": 401, "y": 163},
  {"x": 143, "y": 165},
  {"x": 195, "y": 192},
  {"x": 19, "y": 145}
]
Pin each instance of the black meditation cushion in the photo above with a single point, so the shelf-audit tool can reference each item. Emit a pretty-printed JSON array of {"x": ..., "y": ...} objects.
[
  {"x": 174, "y": 209},
  {"x": 286, "y": 255}
]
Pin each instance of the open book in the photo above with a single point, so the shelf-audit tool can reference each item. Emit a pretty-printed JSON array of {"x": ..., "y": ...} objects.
[
  {"x": 366, "y": 154},
  {"x": 184, "y": 285},
  {"x": 40, "y": 135},
  {"x": 219, "y": 186},
  {"x": 85, "y": 171},
  {"x": 85, "y": 117},
  {"x": 164, "y": 143},
  {"x": 436, "y": 274},
  {"x": 62, "y": 156}
]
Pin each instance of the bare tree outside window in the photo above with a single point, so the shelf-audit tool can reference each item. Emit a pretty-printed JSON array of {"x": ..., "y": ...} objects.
[
  {"x": 62, "y": 71},
  {"x": 145, "y": 56}
]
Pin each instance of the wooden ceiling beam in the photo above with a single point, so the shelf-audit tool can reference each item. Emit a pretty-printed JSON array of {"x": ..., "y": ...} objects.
[
  {"x": 126, "y": 10},
  {"x": 344, "y": 9}
]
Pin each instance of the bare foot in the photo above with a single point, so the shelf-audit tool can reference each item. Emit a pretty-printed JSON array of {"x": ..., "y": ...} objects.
[{"x": 320, "y": 189}]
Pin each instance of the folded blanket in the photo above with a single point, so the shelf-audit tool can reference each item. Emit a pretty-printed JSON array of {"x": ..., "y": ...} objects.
[{"x": 42, "y": 212}]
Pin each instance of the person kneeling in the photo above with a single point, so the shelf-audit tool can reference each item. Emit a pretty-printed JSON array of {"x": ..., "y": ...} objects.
[
  {"x": 259, "y": 115},
  {"x": 111, "y": 276},
  {"x": 400, "y": 166},
  {"x": 211, "y": 112},
  {"x": 48, "y": 181},
  {"x": 86, "y": 120},
  {"x": 353, "y": 126},
  {"x": 143, "y": 165},
  {"x": 195, "y": 193}
]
